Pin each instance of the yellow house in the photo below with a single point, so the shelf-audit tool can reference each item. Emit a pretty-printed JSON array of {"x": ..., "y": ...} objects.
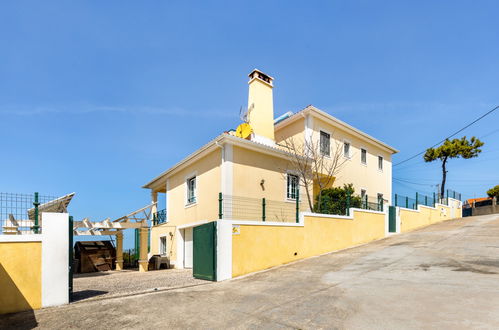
[{"x": 231, "y": 177}]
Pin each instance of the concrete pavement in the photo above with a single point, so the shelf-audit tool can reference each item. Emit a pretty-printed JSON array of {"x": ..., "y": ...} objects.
[{"x": 443, "y": 276}]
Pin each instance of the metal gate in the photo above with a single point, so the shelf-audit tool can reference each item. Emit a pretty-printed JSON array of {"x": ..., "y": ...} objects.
[
  {"x": 392, "y": 219},
  {"x": 204, "y": 251}
]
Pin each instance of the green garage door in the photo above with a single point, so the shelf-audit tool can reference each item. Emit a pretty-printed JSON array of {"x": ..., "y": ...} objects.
[{"x": 204, "y": 252}]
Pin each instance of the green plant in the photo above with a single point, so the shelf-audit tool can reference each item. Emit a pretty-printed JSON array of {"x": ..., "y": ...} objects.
[
  {"x": 493, "y": 192},
  {"x": 453, "y": 149},
  {"x": 336, "y": 200}
]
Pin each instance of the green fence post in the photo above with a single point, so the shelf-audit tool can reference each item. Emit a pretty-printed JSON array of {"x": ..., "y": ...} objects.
[
  {"x": 220, "y": 200},
  {"x": 380, "y": 204},
  {"x": 395, "y": 199},
  {"x": 36, "y": 204},
  {"x": 434, "y": 200},
  {"x": 425, "y": 200},
  {"x": 347, "y": 211},
  {"x": 367, "y": 205},
  {"x": 263, "y": 209},
  {"x": 416, "y": 201},
  {"x": 297, "y": 207},
  {"x": 70, "y": 257},
  {"x": 406, "y": 202},
  {"x": 154, "y": 219}
]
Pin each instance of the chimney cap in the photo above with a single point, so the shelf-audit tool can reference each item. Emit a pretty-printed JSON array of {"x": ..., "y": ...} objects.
[{"x": 260, "y": 75}]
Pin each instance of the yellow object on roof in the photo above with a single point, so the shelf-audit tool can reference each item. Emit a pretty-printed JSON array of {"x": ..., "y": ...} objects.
[{"x": 244, "y": 131}]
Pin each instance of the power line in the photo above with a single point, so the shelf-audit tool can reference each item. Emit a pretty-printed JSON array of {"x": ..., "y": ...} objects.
[
  {"x": 416, "y": 183},
  {"x": 460, "y": 130}
]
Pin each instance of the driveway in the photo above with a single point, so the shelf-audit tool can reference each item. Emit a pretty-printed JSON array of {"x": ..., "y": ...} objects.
[
  {"x": 123, "y": 283},
  {"x": 443, "y": 276}
]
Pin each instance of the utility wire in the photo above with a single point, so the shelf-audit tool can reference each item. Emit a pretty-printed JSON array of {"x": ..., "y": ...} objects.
[{"x": 460, "y": 130}]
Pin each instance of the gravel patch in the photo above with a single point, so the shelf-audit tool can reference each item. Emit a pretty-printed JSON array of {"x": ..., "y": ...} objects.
[{"x": 121, "y": 283}]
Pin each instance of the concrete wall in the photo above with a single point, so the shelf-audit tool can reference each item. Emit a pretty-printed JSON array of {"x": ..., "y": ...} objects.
[
  {"x": 259, "y": 246},
  {"x": 20, "y": 275},
  {"x": 487, "y": 209},
  {"x": 34, "y": 268},
  {"x": 424, "y": 216}
]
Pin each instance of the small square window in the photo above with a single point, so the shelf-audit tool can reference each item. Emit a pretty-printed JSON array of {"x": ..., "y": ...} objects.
[
  {"x": 346, "y": 149},
  {"x": 363, "y": 194},
  {"x": 325, "y": 143},
  {"x": 191, "y": 190},
  {"x": 292, "y": 186},
  {"x": 363, "y": 156},
  {"x": 380, "y": 163}
]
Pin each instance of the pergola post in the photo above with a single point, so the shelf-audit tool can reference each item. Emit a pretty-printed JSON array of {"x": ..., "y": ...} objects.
[
  {"x": 119, "y": 250},
  {"x": 154, "y": 199},
  {"x": 143, "y": 262}
]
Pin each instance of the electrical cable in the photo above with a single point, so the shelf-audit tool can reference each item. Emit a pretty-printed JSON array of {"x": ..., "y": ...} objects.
[{"x": 458, "y": 131}]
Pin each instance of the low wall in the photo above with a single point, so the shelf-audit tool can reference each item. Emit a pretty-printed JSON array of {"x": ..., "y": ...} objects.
[
  {"x": 20, "y": 275},
  {"x": 34, "y": 268},
  {"x": 258, "y": 245},
  {"x": 409, "y": 219}
]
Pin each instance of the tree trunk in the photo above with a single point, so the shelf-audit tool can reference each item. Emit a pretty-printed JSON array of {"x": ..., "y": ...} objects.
[
  {"x": 309, "y": 200},
  {"x": 444, "y": 177}
]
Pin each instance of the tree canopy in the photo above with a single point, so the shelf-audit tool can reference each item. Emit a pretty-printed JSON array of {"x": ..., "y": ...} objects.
[
  {"x": 455, "y": 148},
  {"x": 493, "y": 192}
]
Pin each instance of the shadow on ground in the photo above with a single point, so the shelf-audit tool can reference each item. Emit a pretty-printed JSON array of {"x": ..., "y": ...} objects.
[{"x": 85, "y": 294}]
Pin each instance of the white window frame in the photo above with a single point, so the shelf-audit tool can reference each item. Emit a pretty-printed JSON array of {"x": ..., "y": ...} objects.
[
  {"x": 349, "y": 156},
  {"x": 165, "y": 236},
  {"x": 382, "y": 163},
  {"x": 186, "y": 195},
  {"x": 365, "y": 192},
  {"x": 320, "y": 145},
  {"x": 367, "y": 152},
  {"x": 287, "y": 198}
]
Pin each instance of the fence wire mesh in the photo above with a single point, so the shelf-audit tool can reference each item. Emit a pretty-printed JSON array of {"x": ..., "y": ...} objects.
[
  {"x": 14, "y": 217},
  {"x": 259, "y": 209}
]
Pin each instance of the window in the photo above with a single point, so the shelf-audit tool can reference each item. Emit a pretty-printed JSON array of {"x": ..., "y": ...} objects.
[
  {"x": 346, "y": 149},
  {"x": 162, "y": 245},
  {"x": 292, "y": 190},
  {"x": 363, "y": 156},
  {"x": 363, "y": 193},
  {"x": 325, "y": 143},
  {"x": 380, "y": 163},
  {"x": 191, "y": 190}
]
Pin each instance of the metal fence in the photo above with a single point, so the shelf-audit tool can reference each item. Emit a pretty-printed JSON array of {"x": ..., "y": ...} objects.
[
  {"x": 19, "y": 212},
  {"x": 428, "y": 199},
  {"x": 247, "y": 208},
  {"x": 262, "y": 209},
  {"x": 452, "y": 194}
]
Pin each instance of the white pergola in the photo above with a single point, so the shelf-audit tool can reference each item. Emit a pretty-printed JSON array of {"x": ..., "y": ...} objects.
[{"x": 136, "y": 220}]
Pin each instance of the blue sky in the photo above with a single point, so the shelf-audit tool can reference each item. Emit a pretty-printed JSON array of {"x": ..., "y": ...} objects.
[{"x": 99, "y": 97}]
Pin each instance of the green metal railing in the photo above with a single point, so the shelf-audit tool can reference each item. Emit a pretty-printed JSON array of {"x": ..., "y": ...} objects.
[
  {"x": 14, "y": 215},
  {"x": 159, "y": 217},
  {"x": 258, "y": 209},
  {"x": 427, "y": 199}
]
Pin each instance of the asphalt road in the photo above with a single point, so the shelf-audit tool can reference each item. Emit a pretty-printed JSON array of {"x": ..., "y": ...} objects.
[{"x": 443, "y": 276}]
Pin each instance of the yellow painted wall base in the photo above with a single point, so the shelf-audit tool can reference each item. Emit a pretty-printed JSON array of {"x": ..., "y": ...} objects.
[
  {"x": 414, "y": 219},
  {"x": 20, "y": 276},
  {"x": 261, "y": 247}
]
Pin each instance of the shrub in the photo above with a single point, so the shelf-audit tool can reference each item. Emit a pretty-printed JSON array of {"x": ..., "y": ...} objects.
[
  {"x": 334, "y": 200},
  {"x": 493, "y": 192}
]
